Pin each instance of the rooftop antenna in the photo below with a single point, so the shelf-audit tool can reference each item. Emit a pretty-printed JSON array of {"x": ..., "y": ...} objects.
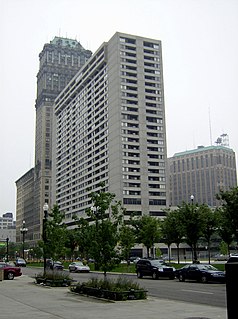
[{"x": 210, "y": 126}]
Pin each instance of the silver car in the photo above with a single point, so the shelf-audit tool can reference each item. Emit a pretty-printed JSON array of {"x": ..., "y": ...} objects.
[{"x": 78, "y": 266}]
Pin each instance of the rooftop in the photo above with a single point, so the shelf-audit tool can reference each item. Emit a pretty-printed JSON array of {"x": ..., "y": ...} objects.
[
  {"x": 65, "y": 42},
  {"x": 200, "y": 149}
]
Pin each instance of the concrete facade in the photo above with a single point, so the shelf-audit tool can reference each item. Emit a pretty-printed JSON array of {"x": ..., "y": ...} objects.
[
  {"x": 60, "y": 60},
  {"x": 7, "y": 228},
  {"x": 202, "y": 172},
  {"x": 109, "y": 126},
  {"x": 25, "y": 206}
]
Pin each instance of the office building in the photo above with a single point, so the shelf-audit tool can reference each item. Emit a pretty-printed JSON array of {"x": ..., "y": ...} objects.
[
  {"x": 60, "y": 60},
  {"x": 109, "y": 126},
  {"x": 201, "y": 172},
  {"x": 25, "y": 206},
  {"x": 7, "y": 229}
]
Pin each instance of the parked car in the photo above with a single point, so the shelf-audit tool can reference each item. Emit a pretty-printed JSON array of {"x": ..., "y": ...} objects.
[
  {"x": 134, "y": 259},
  {"x": 200, "y": 272},
  {"x": 51, "y": 264},
  {"x": 154, "y": 268},
  {"x": 168, "y": 258},
  {"x": 20, "y": 262},
  {"x": 78, "y": 266},
  {"x": 220, "y": 257},
  {"x": 233, "y": 258},
  {"x": 10, "y": 271}
]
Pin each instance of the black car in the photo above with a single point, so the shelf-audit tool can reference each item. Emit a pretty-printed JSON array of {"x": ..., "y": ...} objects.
[
  {"x": 154, "y": 268},
  {"x": 200, "y": 272}
]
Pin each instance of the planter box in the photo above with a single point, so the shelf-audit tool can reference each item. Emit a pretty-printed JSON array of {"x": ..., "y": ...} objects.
[
  {"x": 53, "y": 282},
  {"x": 110, "y": 295}
]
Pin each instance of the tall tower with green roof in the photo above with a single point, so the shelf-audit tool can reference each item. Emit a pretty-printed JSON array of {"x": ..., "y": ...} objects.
[{"x": 59, "y": 61}]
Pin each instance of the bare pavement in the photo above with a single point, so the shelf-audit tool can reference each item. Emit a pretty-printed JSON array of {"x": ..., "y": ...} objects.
[{"x": 21, "y": 298}]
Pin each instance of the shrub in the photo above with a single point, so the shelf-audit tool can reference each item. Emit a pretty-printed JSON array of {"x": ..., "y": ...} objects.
[
  {"x": 120, "y": 289},
  {"x": 54, "y": 278},
  {"x": 54, "y": 275}
]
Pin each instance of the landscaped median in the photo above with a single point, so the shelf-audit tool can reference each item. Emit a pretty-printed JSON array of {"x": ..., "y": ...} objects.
[{"x": 117, "y": 290}]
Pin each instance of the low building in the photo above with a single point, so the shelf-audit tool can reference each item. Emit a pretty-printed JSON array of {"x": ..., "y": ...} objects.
[{"x": 203, "y": 173}]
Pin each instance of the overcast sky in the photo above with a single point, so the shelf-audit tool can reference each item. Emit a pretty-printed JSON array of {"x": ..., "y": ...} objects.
[{"x": 200, "y": 60}]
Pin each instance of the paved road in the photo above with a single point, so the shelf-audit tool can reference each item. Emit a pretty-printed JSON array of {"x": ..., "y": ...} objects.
[{"x": 212, "y": 294}]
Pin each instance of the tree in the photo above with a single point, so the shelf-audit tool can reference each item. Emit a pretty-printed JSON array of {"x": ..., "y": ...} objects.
[
  {"x": 224, "y": 228},
  {"x": 172, "y": 230},
  {"x": 84, "y": 237},
  {"x": 56, "y": 234},
  {"x": 106, "y": 215},
  {"x": 147, "y": 230},
  {"x": 210, "y": 226},
  {"x": 193, "y": 225},
  {"x": 126, "y": 241},
  {"x": 229, "y": 208},
  {"x": 167, "y": 228}
]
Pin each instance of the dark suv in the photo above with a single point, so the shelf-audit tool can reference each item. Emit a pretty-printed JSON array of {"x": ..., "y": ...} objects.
[
  {"x": 154, "y": 268},
  {"x": 233, "y": 258}
]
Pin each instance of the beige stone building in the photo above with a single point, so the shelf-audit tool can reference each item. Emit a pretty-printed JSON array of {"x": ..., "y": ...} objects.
[
  {"x": 201, "y": 172},
  {"x": 59, "y": 61},
  {"x": 109, "y": 126}
]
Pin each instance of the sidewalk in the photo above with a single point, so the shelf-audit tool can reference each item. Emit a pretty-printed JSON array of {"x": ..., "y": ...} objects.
[{"x": 22, "y": 299}]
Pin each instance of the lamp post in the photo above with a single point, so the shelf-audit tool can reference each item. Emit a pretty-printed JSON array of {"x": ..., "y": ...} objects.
[
  {"x": 23, "y": 231},
  {"x": 194, "y": 248},
  {"x": 45, "y": 209},
  {"x": 7, "y": 240}
]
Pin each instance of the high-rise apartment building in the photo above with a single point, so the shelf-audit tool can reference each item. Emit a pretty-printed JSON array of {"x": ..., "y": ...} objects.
[
  {"x": 201, "y": 172},
  {"x": 60, "y": 60},
  {"x": 109, "y": 126}
]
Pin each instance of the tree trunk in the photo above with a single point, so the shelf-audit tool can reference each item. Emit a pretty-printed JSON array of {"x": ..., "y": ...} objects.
[
  {"x": 178, "y": 253},
  {"x": 148, "y": 252}
]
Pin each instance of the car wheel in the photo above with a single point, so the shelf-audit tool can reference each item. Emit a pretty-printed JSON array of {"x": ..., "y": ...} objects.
[
  {"x": 172, "y": 277},
  {"x": 204, "y": 279},
  {"x": 181, "y": 278},
  {"x": 139, "y": 275},
  {"x": 10, "y": 275},
  {"x": 155, "y": 275}
]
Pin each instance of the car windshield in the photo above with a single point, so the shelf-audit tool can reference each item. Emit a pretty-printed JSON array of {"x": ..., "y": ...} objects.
[
  {"x": 79, "y": 263},
  {"x": 156, "y": 263},
  {"x": 206, "y": 267}
]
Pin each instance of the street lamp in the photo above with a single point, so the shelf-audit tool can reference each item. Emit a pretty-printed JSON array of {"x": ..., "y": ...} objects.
[
  {"x": 45, "y": 209},
  {"x": 7, "y": 240},
  {"x": 195, "y": 248},
  {"x": 23, "y": 231}
]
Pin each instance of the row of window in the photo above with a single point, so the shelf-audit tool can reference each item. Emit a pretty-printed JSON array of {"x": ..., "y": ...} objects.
[{"x": 202, "y": 161}]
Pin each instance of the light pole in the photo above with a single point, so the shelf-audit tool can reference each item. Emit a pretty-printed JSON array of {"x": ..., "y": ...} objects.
[
  {"x": 23, "y": 231},
  {"x": 7, "y": 240},
  {"x": 194, "y": 248},
  {"x": 45, "y": 209}
]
